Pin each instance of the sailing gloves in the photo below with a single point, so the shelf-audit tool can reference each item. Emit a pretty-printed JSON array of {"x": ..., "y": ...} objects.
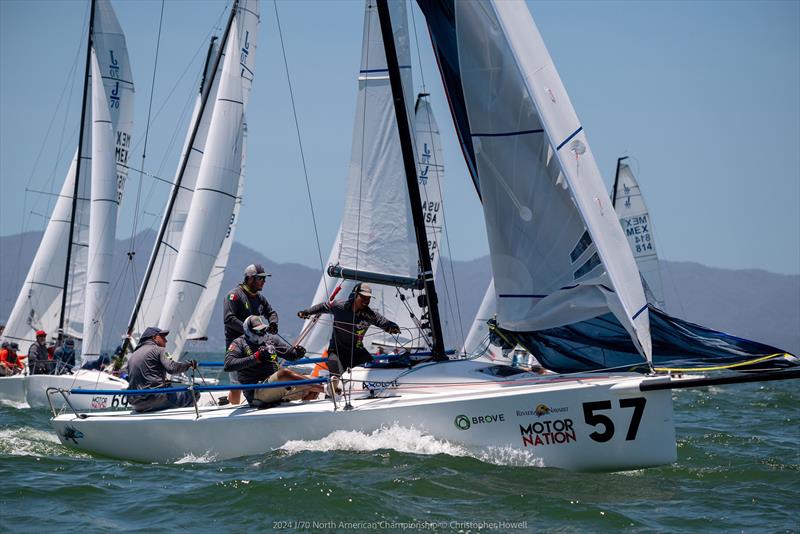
[
  {"x": 299, "y": 351},
  {"x": 272, "y": 328},
  {"x": 192, "y": 364},
  {"x": 265, "y": 353},
  {"x": 302, "y": 314},
  {"x": 393, "y": 329}
]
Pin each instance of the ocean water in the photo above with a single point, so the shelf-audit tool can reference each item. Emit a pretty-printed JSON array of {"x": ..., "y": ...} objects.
[{"x": 738, "y": 469}]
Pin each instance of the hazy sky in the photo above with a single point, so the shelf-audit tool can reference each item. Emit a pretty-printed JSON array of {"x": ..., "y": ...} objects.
[{"x": 704, "y": 97}]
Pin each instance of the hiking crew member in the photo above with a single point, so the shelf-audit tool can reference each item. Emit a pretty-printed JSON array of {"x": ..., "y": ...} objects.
[
  {"x": 253, "y": 356},
  {"x": 10, "y": 361},
  {"x": 38, "y": 357},
  {"x": 242, "y": 302},
  {"x": 147, "y": 369},
  {"x": 64, "y": 357},
  {"x": 351, "y": 319}
]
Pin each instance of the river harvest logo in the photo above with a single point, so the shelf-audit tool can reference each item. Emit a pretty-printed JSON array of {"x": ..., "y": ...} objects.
[
  {"x": 541, "y": 410},
  {"x": 465, "y": 422}
]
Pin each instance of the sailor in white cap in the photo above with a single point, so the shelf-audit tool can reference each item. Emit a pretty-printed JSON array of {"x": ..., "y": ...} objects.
[{"x": 240, "y": 303}]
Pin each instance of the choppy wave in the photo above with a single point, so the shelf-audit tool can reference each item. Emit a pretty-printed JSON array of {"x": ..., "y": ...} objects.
[
  {"x": 410, "y": 440},
  {"x": 27, "y": 441}
]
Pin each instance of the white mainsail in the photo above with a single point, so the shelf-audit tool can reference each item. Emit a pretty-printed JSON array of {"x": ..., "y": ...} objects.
[
  {"x": 430, "y": 176},
  {"x": 38, "y": 305},
  {"x": 217, "y": 187},
  {"x": 198, "y": 325},
  {"x": 377, "y": 232},
  {"x": 638, "y": 227},
  {"x": 103, "y": 217},
  {"x": 164, "y": 263},
  {"x": 374, "y": 197},
  {"x": 558, "y": 253}
]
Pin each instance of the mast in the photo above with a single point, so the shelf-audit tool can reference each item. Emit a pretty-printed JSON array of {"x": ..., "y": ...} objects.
[
  {"x": 616, "y": 182},
  {"x": 409, "y": 163},
  {"x": 205, "y": 91},
  {"x": 76, "y": 191}
]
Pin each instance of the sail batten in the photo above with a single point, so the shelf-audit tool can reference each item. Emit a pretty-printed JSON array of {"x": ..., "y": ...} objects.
[
  {"x": 103, "y": 217},
  {"x": 189, "y": 276},
  {"x": 540, "y": 187}
]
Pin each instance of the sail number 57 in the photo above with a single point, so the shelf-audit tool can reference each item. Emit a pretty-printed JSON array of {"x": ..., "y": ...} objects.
[{"x": 592, "y": 417}]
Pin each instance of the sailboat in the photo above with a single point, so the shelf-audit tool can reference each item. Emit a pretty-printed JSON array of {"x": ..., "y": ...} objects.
[
  {"x": 374, "y": 186},
  {"x": 190, "y": 254},
  {"x": 628, "y": 202},
  {"x": 533, "y": 168},
  {"x": 66, "y": 290}
]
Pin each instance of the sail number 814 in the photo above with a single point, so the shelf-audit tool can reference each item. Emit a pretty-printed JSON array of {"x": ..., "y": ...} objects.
[{"x": 593, "y": 418}]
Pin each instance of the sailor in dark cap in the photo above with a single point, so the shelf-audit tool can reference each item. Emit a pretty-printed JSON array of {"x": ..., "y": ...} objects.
[
  {"x": 351, "y": 319},
  {"x": 65, "y": 357},
  {"x": 147, "y": 369},
  {"x": 240, "y": 303}
]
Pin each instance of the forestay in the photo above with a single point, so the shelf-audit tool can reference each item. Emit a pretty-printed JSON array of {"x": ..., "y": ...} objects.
[
  {"x": 558, "y": 253},
  {"x": 39, "y": 302}
]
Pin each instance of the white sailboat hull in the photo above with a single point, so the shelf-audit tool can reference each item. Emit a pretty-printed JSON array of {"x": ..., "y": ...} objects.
[
  {"x": 36, "y": 387},
  {"x": 586, "y": 423}
]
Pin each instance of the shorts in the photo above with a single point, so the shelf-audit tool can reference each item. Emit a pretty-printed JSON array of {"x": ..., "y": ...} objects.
[{"x": 275, "y": 395}]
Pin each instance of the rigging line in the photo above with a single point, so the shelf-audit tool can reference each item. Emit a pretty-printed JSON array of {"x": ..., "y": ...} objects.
[
  {"x": 146, "y": 134},
  {"x": 441, "y": 196},
  {"x": 416, "y": 40},
  {"x": 449, "y": 251},
  {"x": 361, "y": 167},
  {"x": 300, "y": 144},
  {"x": 189, "y": 65},
  {"x": 70, "y": 76}
]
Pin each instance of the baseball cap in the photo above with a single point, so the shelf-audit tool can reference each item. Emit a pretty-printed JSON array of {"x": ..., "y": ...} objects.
[
  {"x": 256, "y": 323},
  {"x": 152, "y": 331},
  {"x": 69, "y": 342},
  {"x": 255, "y": 269},
  {"x": 40, "y": 333},
  {"x": 365, "y": 290}
]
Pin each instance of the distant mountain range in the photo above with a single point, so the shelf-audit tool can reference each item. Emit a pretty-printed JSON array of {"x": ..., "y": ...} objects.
[{"x": 753, "y": 304}]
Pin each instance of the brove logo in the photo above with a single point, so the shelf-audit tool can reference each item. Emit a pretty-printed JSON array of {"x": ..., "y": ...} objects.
[{"x": 462, "y": 422}]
